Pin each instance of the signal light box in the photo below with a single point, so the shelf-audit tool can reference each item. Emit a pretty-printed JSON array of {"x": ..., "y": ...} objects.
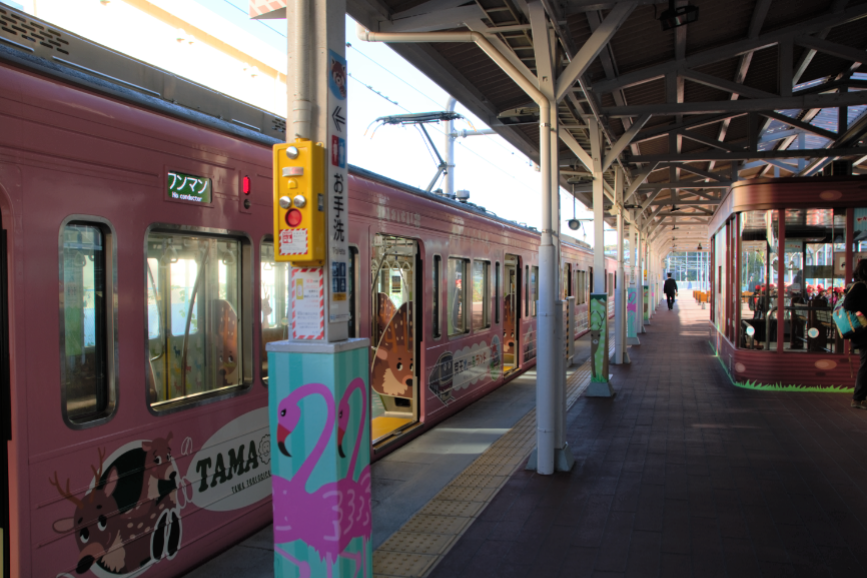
[{"x": 299, "y": 203}]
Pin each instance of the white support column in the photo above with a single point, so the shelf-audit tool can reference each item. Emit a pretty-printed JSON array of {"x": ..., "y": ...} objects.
[
  {"x": 598, "y": 203},
  {"x": 642, "y": 265},
  {"x": 598, "y": 306},
  {"x": 550, "y": 370},
  {"x": 620, "y": 354}
]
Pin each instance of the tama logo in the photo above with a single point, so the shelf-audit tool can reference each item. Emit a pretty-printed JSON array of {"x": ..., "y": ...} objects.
[
  {"x": 225, "y": 467},
  {"x": 232, "y": 469}
]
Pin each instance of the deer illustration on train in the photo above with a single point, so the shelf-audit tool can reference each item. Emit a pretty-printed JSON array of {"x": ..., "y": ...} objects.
[{"x": 129, "y": 518}]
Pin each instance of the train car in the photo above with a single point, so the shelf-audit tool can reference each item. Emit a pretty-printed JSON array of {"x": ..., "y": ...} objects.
[{"x": 139, "y": 291}]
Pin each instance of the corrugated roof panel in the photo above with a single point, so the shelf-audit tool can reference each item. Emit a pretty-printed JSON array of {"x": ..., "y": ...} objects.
[
  {"x": 784, "y": 14},
  {"x": 707, "y": 32},
  {"x": 640, "y": 42},
  {"x": 762, "y": 73}
]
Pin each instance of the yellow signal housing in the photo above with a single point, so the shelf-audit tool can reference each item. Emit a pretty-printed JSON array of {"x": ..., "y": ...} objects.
[{"x": 299, "y": 203}]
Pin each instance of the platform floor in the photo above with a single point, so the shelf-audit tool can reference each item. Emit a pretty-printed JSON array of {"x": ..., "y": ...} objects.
[
  {"x": 683, "y": 474},
  {"x": 407, "y": 480}
]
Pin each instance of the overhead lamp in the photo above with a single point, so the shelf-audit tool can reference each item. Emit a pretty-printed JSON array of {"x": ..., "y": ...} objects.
[
  {"x": 699, "y": 247},
  {"x": 677, "y": 16},
  {"x": 520, "y": 115}
]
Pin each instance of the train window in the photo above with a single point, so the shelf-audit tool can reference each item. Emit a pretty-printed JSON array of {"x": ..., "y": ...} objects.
[
  {"x": 534, "y": 289},
  {"x": 435, "y": 311},
  {"x": 581, "y": 284},
  {"x": 567, "y": 279},
  {"x": 194, "y": 286},
  {"x": 526, "y": 290},
  {"x": 609, "y": 285},
  {"x": 481, "y": 295},
  {"x": 457, "y": 288},
  {"x": 87, "y": 317},
  {"x": 497, "y": 293},
  {"x": 274, "y": 288}
]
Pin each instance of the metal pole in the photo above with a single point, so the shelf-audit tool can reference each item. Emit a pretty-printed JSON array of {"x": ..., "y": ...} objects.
[
  {"x": 598, "y": 214},
  {"x": 642, "y": 265},
  {"x": 300, "y": 102},
  {"x": 619, "y": 297},
  {"x": 449, "y": 188}
]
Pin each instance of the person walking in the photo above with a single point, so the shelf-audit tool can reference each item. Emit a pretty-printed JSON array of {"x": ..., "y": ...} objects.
[
  {"x": 856, "y": 300},
  {"x": 670, "y": 290}
]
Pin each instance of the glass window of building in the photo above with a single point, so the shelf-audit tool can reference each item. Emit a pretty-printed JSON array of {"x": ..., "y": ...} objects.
[
  {"x": 87, "y": 322},
  {"x": 196, "y": 282},
  {"x": 481, "y": 295},
  {"x": 274, "y": 288},
  {"x": 457, "y": 281},
  {"x": 815, "y": 242},
  {"x": 759, "y": 271}
]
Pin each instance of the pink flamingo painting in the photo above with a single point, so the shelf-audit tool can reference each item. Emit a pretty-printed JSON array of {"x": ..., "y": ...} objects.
[
  {"x": 358, "y": 523},
  {"x": 315, "y": 518}
]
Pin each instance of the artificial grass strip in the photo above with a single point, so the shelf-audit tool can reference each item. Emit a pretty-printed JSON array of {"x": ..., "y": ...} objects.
[{"x": 754, "y": 385}]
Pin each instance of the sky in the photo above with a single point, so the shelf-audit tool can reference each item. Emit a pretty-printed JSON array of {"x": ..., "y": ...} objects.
[{"x": 381, "y": 83}]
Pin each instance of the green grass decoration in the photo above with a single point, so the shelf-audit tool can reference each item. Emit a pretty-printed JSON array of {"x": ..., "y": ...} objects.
[{"x": 754, "y": 385}]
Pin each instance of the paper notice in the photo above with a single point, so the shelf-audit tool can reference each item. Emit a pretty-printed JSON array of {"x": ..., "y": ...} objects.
[
  {"x": 293, "y": 242},
  {"x": 308, "y": 303}
]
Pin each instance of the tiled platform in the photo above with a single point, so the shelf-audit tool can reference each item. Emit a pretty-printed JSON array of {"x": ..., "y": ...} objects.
[{"x": 682, "y": 474}]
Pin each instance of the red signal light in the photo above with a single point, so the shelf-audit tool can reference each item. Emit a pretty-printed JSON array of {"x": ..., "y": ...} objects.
[
  {"x": 246, "y": 185},
  {"x": 293, "y": 218}
]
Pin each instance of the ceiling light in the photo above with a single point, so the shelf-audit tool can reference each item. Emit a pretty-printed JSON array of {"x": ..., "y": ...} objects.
[{"x": 679, "y": 16}]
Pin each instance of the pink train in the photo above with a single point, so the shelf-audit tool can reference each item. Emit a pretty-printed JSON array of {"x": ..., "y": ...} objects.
[{"x": 138, "y": 290}]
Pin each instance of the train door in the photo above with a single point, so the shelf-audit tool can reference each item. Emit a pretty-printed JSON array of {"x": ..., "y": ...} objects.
[
  {"x": 394, "y": 379},
  {"x": 512, "y": 314},
  {"x": 5, "y": 413}
]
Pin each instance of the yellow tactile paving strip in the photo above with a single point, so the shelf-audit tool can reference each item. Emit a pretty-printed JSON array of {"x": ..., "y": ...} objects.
[{"x": 416, "y": 549}]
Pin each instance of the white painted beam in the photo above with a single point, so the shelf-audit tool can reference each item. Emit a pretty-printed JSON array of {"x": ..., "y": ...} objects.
[
  {"x": 594, "y": 45},
  {"x": 624, "y": 141}
]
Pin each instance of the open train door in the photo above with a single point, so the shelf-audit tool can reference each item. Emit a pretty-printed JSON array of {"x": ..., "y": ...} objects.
[
  {"x": 5, "y": 412},
  {"x": 512, "y": 313},
  {"x": 394, "y": 340}
]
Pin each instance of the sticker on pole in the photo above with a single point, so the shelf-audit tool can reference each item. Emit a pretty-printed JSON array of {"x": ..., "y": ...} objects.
[
  {"x": 308, "y": 303},
  {"x": 293, "y": 242},
  {"x": 337, "y": 75}
]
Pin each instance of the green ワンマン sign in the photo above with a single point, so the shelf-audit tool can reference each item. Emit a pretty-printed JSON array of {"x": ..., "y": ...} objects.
[{"x": 183, "y": 187}]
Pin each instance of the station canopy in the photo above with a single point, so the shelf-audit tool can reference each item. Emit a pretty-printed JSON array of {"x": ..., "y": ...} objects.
[{"x": 749, "y": 89}]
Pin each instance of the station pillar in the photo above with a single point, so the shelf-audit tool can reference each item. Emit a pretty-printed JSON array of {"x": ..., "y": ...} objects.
[
  {"x": 598, "y": 306},
  {"x": 318, "y": 379},
  {"x": 642, "y": 281},
  {"x": 621, "y": 355},
  {"x": 320, "y": 458}
]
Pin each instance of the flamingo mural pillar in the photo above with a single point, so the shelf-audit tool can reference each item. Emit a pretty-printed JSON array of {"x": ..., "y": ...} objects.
[{"x": 318, "y": 378}]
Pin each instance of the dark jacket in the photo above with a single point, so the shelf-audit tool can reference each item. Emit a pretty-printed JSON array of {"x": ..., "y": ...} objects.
[
  {"x": 856, "y": 300},
  {"x": 670, "y": 287}
]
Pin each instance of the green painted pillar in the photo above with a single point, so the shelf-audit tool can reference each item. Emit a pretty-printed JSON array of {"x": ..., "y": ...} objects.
[
  {"x": 632, "y": 315},
  {"x": 647, "y": 305},
  {"x": 320, "y": 458},
  {"x": 599, "y": 346}
]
